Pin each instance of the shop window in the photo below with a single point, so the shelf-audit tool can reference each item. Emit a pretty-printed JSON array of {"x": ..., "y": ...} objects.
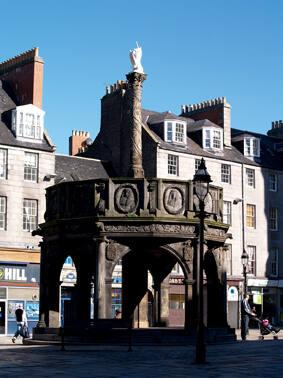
[
  {"x": 116, "y": 300},
  {"x": 177, "y": 302}
]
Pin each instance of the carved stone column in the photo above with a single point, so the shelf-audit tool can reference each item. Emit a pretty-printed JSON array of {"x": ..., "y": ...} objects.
[
  {"x": 99, "y": 288},
  {"x": 188, "y": 303},
  {"x": 54, "y": 296},
  {"x": 164, "y": 303},
  {"x": 135, "y": 80},
  {"x": 82, "y": 304},
  {"x": 43, "y": 287},
  {"x": 216, "y": 288}
]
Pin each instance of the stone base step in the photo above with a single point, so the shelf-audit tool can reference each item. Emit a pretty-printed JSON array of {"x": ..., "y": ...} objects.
[{"x": 123, "y": 336}]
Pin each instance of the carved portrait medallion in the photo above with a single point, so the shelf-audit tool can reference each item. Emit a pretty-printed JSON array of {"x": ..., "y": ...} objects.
[
  {"x": 126, "y": 198},
  {"x": 174, "y": 200}
]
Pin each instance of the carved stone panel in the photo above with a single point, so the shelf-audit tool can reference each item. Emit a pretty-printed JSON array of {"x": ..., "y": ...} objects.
[
  {"x": 100, "y": 194},
  {"x": 188, "y": 251},
  {"x": 126, "y": 198},
  {"x": 111, "y": 251},
  {"x": 156, "y": 228},
  {"x": 173, "y": 200}
]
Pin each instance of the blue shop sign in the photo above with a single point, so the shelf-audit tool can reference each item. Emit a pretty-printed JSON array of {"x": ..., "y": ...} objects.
[{"x": 19, "y": 272}]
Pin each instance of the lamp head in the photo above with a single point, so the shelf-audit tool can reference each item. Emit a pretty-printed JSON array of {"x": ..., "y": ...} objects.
[
  {"x": 244, "y": 258},
  {"x": 201, "y": 181}
]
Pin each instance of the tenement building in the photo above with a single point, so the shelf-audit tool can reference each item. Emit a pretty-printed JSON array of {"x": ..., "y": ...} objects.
[
  {"x": 119, "y": 229},
  {"x": 247, "y": 165},
  {"x": 142, "y": 217},
  {"x": 28, "y": 165}
]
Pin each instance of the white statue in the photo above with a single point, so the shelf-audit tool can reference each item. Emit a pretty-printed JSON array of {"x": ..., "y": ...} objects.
[{"x": 135, "y": 57}]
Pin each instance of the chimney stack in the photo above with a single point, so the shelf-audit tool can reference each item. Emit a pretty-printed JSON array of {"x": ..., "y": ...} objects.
[
  {"x": 24, "y": 75},
  {"x": 217, "y": 110},
  {"x": 78, "y": 142},
  {"x": 276, "y": 129}
]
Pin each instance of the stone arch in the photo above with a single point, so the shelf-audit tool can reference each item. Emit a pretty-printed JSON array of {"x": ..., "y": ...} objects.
[
  {"x": 159, "y": 261},
  {"x": 215, "y": 288}
]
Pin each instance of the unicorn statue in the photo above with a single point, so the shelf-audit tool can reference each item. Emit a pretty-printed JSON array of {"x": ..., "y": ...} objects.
[{"x": 135, "y": 57}]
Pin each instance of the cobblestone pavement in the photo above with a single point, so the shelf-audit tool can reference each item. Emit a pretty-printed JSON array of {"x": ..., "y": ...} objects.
[{"x": 251, "y": 358}]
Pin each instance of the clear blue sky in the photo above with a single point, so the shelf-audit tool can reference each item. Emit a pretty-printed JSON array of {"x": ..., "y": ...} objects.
[{"x": 192, "y": 51}]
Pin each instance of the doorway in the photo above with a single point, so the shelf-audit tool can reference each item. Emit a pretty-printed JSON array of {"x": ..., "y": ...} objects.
[{"x": 2, "y": 317}]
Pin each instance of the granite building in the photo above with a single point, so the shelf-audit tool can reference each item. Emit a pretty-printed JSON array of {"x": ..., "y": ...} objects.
[
  {"x": 247, "y": 165},
  {"x": 27, "y": 163}
]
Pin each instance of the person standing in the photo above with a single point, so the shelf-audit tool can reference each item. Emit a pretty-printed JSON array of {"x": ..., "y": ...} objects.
[
  {"x": 118, "y": 314},
  {"x": 246, "y": 314},
  {"x": 21, "y": 319}
]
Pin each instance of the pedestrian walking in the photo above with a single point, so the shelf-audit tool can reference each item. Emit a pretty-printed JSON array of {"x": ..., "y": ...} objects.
[
  {"x": 118, "y": 314},
  {"x": 246, "y": 314},
  {"x": 22, "y": 323}
]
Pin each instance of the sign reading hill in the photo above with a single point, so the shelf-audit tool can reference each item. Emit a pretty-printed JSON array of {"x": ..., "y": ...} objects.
[{"x": 12, "y": 274}]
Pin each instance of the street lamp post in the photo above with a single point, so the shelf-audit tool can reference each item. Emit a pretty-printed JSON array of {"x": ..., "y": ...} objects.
[
  {"x": 201, "y": 182},
  {"x": 245, "y": 260}
]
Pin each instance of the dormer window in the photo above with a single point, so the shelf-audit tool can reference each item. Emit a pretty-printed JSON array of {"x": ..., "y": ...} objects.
[
  {"x": 212, "y": 138},
  {"x": 175, "y": 131},
  {"x": 28, "y": 123},
  {"x": 251, "y": 147}
]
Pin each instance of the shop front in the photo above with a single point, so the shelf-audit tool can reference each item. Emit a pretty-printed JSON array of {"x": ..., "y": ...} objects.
[
  {"x": 19, "y": 284},
  {"x": 267, "y": 298}
]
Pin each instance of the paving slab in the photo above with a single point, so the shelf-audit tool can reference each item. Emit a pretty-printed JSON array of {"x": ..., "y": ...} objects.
[{"x": 251, "y": 358}]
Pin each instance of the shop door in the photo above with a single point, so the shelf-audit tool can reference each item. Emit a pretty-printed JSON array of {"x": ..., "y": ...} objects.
[{"x": 2, "y": 317}]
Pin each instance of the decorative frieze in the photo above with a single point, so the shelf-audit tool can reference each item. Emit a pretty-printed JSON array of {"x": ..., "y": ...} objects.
[{"x": 160, "y": 228}]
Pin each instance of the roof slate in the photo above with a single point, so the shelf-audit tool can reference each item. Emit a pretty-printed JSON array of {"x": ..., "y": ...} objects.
[
  {"x": 268, "y": 158},
  {"x": 74, "y": 168}
]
